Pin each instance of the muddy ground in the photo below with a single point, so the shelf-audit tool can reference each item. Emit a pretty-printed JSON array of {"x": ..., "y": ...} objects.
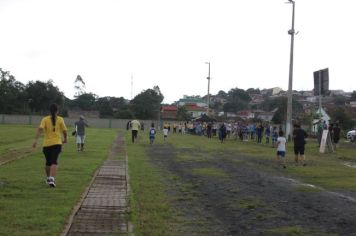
[{"x": 249, "y": 199}]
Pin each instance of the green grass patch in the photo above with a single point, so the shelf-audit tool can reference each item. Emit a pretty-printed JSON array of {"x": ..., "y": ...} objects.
[
  {"x": 27, "y": 205},
  {"x": 153, "y": 211},
  {"x": 248, "y": 204},
  {"x": 150, "y": 211}
]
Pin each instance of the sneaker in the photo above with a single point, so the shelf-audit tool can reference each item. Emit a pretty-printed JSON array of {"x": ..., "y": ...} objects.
[
  {"x": 47, "y": 180},
  {"x": 51, "y": 182}
]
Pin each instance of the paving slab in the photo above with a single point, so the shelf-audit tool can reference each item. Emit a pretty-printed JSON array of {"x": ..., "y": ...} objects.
[{"x": 104, "y": 208}]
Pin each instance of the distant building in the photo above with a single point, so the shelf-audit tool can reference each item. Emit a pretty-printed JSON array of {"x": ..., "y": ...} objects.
[
  {"x": 192, "y": 100},
  {"x": 195, "y": 110},
  {"x": 169, "y": 112},
  {"x": 276, "y": 91},
  {"x": 246, "y": 114}
]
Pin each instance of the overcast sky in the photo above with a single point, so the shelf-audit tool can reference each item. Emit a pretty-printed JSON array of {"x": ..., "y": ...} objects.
[{"x": 167, "y": 42}]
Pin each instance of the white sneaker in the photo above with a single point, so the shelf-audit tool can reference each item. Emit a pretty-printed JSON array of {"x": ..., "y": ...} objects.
[{"x": 51, "y": 182}]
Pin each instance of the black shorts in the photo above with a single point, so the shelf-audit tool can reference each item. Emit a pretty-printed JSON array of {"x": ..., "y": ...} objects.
[
  {"x": 299, "y": 150},
  {"x": 52, "y": 153}
]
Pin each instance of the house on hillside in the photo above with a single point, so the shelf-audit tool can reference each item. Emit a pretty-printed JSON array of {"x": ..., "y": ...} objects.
[
  {"x": 195, "y": 110},
  {"x": 265, "y": 115},
  {"x": 246, "y": 114},
  {"x": 256, "y": 99},
  {"x": 192, "y": 100},
  {"x": 169, "y": 112}
]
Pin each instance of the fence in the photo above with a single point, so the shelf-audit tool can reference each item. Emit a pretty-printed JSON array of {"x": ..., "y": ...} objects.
[{"x": 93, "y": 122}]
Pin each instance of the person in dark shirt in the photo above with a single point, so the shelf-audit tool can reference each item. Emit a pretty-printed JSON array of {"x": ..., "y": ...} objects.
[
  {"x": 336, "y": 134},
  {"x": 299, "y": 136},
  {"x": 222, "y": 132}
]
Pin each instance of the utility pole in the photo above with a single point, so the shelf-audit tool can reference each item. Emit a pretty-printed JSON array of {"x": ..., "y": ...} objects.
[
  {"x": 290, "y": 82},
  {"x": 131, "y": 85},
  {"x": 208, "y": 100},
  {"x": 319, "y": 75}
]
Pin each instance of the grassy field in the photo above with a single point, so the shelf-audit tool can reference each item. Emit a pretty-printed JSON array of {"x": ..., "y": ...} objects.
[
  {"x": 27, "y": 205},
  {"x": 153, "y": 213}
]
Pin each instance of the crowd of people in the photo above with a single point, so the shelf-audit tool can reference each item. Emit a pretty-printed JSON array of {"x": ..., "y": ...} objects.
[{"x": 55, "y": 135}]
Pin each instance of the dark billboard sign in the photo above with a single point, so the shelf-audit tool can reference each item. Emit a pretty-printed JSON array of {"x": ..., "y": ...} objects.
[{"x": 323, "y": 77}]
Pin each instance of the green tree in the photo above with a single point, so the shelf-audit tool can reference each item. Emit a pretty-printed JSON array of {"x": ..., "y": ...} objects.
[
  {"x": 281, "y": 114},
  {"x": 253, "y": 91},
  {"x": 86, "y": 102},
  {"x": 237, "y": 100},
  {"x": 341, "y": 116},
  {"x": 222, "y": 94},
  {"x": 353, "y": 96},
  {"x": 183, "y": 114},
  {"x": 12, "y": 94},
  {"x": 104, "y": 107},
  {"x": 340, "y": 100},
  {"x": 146, "y": 105},
  {"x": 124, "y": 113},
  {"x": 42, "y": 94}
]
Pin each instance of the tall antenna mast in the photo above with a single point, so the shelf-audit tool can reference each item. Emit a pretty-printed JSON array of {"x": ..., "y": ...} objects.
[{"x": 131, "y": 85}]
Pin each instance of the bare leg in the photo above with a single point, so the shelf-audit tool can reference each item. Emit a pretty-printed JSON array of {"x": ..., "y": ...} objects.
[
  {"x": 53, "y": 170},
  {"x": 47, "y": 169},
  {"x": 302, "y": 159}
]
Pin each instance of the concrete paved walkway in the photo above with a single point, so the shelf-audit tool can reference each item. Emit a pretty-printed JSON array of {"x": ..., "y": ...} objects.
[{"x": 104, "y": 207}]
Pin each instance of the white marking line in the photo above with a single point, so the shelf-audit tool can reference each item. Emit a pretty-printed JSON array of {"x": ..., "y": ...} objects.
[
  {"x": 349, "y": 164},
  {"x": 351, "y": 199}
]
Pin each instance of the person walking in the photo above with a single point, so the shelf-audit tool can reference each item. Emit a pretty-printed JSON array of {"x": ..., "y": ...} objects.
[
  {"x": 152, "y": 133},
  {"x": 299, "y": 136},
  {"x": 165, "y": 132},
  {"x": 281, "y": 149},
  {"x": 222, "y": 133},
  {"x": 336, "y": 134},
  {"x": 135, "y": 126},
  {"x": 54, "y": 129},
  {"x": 268, "y": 134},
  {"x": 80, "y": 132}
]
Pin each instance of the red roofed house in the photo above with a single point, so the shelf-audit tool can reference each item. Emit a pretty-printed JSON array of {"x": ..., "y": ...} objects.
[
  {"x": 194, "y": 110},
  {"x": 169, "y": 112}
]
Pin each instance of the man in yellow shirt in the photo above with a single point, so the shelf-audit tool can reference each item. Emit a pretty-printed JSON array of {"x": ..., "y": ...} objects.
[
  {"x": 53, "y": 128},
  {"x": 135, "y": 126}
]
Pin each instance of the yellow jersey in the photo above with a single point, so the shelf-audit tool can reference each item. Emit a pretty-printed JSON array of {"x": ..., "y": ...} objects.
[{"x": 52, "y": 136}]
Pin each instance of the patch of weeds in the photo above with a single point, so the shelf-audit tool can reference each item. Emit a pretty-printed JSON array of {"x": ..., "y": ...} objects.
[
  {"x": 194, "y": 157},
  {"x": 174, "y": 178},
  {"x": 304, "y": 188},
  {"x": 211, "y": 172},
  {"x": 344, "y": 158},
  {"x": 260, "y": 216},
  {"x": 288, "y": 230},
  {"x": 248, "y": 204}
]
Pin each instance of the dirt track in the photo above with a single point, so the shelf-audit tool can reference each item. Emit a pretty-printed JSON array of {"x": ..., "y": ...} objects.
[{"x": 250, "y": 199}]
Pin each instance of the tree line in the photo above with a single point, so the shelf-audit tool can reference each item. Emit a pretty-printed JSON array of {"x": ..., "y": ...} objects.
[{"x": 35, "y": 97}]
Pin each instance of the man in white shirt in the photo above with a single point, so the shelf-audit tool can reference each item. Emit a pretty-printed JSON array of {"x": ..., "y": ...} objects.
[{"x": 135, "y": 126}]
